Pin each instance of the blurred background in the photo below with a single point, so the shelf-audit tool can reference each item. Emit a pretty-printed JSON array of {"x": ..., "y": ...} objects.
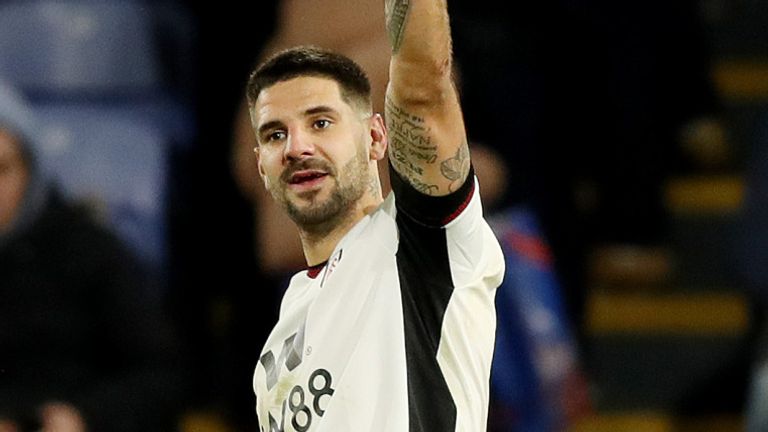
[{"x": 622, "y": 149}]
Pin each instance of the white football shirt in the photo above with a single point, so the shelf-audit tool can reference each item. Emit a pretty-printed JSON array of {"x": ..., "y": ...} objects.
[{"x": 396, "y": 331}]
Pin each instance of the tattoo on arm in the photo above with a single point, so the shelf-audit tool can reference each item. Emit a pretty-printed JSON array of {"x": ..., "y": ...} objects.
[
  {"x": 396, "y": 12},
  {"x": 426, "y": 189},
  {"x": 409, "y": 141},
  {"x": 456, "y": 167}
]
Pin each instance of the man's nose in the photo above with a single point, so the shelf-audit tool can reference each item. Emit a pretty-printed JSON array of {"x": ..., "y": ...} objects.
[{"x": 298, "y": 145}]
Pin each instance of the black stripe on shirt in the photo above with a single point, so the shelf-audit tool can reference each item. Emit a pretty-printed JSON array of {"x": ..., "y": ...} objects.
[{"x": 426, "y": 287}]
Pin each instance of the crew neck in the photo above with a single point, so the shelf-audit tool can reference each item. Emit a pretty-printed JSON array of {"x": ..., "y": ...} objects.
[{"x": 313, "y": 271}]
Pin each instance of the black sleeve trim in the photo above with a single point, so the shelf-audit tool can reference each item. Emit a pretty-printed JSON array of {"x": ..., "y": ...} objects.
[{"x": 429, "y": 210}]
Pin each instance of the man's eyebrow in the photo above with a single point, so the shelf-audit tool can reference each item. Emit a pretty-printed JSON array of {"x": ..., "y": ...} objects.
[
  {"x": 269, "y": 125},
  {"x": 322, "y": 109}
]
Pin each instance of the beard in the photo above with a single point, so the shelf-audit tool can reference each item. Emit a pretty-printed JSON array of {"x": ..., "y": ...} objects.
[{"x": 322, "y": 215}]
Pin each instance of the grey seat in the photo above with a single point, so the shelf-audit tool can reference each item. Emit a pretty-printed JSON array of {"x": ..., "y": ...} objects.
[
  {"x": 115, "y": 161},
  {"x": 78, "y": 46}
]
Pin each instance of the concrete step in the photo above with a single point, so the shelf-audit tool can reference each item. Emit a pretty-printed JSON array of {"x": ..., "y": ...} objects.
[
  {"x": 740, "y": 80},
  {"x": 694, "y": 314},
  {"x": 676, "y": 351},
  {"x": 658, "y": 422},
  {"x": 626, "y": 265},
  {"x": 705, "y": 195}
]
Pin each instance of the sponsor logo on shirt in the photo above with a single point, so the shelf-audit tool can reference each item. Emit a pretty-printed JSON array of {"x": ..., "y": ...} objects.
[{"x": 305, "y": 401}]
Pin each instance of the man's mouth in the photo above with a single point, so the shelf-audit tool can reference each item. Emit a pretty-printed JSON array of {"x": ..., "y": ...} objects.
[{"x": 305, "y": 177}]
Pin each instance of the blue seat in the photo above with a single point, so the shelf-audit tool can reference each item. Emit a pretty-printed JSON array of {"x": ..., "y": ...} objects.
[
  {"x": 78, "y": 46},
  {"x": 115, "y": 161}
]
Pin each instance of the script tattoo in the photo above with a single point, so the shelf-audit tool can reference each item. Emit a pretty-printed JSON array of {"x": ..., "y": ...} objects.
[
  {"x": 456, "y": 167},
  {"x": 396, "y": 13},
  {"x": 427, "y": 189},
  {"x": 410, "y": 143}
]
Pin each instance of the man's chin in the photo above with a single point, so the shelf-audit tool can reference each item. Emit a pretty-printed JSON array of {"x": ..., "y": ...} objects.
[
  {"x": 307, "y": 200},
  {"x": 311, "y": 212}
]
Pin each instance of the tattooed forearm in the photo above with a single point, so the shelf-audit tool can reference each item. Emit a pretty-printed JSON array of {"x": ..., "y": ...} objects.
[
  {"x": 411, "y": 172},
  {"x": 456, "y": 168},
  {"x": 403, "y": 164},
  {"x": 396, "y": 12},
  {"x": 409, "y": 126},
  {"x": 409, "y": 135},
  {"x": 409, "y": 146}
]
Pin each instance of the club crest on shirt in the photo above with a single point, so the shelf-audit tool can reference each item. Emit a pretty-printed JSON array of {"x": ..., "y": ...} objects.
[{"x": 332, "y": 263}]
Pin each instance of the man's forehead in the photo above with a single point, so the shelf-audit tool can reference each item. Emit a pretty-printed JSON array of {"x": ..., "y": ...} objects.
[{"x": 296, "y": 95}]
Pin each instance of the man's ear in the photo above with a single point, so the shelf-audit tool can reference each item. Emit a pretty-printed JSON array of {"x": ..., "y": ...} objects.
[
  {"x": 258, "y": 164},
  {"x": 379, "y": 140}
]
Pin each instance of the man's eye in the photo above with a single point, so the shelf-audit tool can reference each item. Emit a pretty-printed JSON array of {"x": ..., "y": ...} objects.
[
  {"x": 276, "y": 136},
  {"x": 321, "y": 123}
]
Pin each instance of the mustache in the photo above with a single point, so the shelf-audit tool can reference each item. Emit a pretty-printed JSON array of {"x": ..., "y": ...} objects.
[{"x": 306, "y": 164}]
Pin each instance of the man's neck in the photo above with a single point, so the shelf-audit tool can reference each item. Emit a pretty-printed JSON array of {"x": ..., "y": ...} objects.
[{"x": 319, "y": 244}]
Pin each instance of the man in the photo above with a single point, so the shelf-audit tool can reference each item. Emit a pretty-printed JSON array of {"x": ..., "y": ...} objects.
[{"x": 391, "y": 328}]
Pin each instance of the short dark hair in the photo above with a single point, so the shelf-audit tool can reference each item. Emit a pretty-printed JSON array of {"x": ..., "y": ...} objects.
[{"x": 311, "y": 61}]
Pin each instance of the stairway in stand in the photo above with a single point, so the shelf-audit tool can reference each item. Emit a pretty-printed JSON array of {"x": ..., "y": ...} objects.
[{"x": 669, "y": 328}]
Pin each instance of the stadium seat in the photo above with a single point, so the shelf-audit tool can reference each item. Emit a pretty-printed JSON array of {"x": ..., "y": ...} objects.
[
  {"x": 114, "y": 161},
  {"x": 78, "y": 46},
  {"x": 102, "y": 52}
]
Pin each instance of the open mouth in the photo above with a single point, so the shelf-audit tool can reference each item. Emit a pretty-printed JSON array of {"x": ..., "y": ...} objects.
[{"x": 306, "y": 177}]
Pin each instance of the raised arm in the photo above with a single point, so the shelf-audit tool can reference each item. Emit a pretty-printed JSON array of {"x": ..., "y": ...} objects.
[{"x": 427, "y": 140}]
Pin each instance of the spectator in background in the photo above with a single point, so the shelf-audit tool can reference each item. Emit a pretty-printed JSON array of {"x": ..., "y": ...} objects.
[{"x": 81, "y": 345}]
